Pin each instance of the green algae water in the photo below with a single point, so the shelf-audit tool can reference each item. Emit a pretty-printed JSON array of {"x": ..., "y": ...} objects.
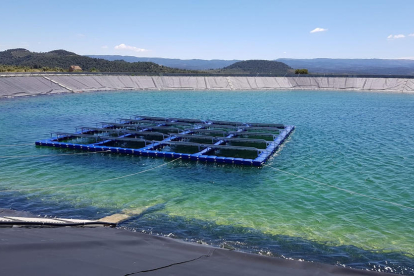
[{"x": 353, "y": 142}]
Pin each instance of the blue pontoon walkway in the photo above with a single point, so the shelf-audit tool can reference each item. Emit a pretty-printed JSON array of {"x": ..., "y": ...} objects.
[{"x": 210, "y": 141}]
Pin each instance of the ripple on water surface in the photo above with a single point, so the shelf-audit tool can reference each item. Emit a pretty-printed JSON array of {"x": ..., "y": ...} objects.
[{"x": 359, "y": 142}]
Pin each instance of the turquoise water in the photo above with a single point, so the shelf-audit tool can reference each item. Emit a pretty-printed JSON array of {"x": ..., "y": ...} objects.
[{"x": 360, "y": 142}]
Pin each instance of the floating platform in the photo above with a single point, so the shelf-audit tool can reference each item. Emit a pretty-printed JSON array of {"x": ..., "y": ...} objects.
[{"x": 190, "y": 139}]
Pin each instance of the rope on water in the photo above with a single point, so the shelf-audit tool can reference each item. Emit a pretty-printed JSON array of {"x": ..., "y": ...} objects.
[
  {"x": 43, "y": 155},
  {"x": 94, "y": 182},
  {"x": 341, "y": 189}
]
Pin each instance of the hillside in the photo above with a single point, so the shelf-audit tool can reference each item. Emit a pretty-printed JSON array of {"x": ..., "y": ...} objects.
[
  {"x": 317, "y": 65},
  {"x": 189, "y": 64},
  {"x": 263, "y": 67},
  {"x": 61, "y": 60},
  {"x": 14, "y": 60}
]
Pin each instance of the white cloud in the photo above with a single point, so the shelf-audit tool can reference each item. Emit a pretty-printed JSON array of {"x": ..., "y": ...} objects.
[
  {"x": 318, "y": 30},
  {"x": 104, "y": 47},
  {"x": 411, "y": 34},
  {"x": 129, "y": 48},
  {"x": 395, "y": 36},
  {"x": 80, "y": 35}
]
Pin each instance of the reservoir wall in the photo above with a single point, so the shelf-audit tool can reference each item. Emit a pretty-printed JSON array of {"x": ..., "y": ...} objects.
[{"x": 12, "y": 86}]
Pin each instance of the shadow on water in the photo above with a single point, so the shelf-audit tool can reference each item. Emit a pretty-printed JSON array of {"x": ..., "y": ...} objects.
[
  {"x": 153, "y": 221},
  {"x": 187, "y": 171},
  {"x": 254, "y": 241},
  {"x": 47, "y": 207}
]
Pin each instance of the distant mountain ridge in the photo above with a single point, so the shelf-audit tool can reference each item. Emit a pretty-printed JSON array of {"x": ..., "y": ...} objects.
[
  {"x": 318, "y": 65},
  {"x": 189, "y": 64},
  {"x": 18, "y": 60},
  {"x": 60, "y": 60},
  {"x": 354, "y": 66}
]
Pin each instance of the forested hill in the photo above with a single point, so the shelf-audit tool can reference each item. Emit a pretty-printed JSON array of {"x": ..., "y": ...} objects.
[
  {"x": 263, "y": 67},
  {"x": 317, "y": 65},
  {"x": 189, "y": 64},
  {"x": 18, "y": 60},
  {"x": 61, "y": 60}
]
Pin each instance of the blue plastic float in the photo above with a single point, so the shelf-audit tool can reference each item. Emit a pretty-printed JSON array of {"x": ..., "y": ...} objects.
[{"x": 226, "y": 142}]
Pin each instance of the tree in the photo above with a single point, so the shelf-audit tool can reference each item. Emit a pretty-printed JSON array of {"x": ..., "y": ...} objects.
[{"x": 301, "y": 71}]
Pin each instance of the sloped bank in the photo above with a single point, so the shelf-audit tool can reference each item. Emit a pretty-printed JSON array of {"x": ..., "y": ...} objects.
[
  {"x": 11, "y": 86},
  {"x": 106, "y": 251}
]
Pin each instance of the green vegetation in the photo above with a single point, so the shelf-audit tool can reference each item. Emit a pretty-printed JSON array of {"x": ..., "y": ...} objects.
[
  {"x": 14, "y": 68},
  {"x": 262, "y": 67},
  {"x": 23, "y": 59},
  {"x": 301, "y": 71}
]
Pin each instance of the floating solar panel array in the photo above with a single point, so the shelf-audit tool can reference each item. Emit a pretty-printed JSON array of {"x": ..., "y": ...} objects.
[{"x": 191, "y": 139}]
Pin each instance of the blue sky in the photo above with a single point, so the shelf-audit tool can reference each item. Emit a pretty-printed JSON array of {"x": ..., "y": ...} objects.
[{"x": 214, "y": 29}]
